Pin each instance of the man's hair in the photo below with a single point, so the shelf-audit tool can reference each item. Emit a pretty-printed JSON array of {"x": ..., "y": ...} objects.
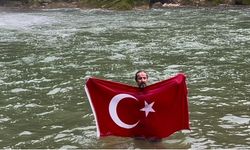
[{"x": 139, "y": 72}]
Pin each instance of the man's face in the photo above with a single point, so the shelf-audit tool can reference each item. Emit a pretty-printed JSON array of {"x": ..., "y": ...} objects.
[{"x": 142, "y": 79}]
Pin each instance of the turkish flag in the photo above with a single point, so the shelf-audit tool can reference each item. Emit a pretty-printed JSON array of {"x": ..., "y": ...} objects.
[{"x": 155, "y": 111}]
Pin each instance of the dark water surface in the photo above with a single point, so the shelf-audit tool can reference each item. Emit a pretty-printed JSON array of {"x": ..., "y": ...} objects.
[{"x": 46, "y": 56}]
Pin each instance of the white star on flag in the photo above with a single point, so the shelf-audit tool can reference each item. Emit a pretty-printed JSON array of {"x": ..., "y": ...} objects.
[{"x": 148, "y": 108}]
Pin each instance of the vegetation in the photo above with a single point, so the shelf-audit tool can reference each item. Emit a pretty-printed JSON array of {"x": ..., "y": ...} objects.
[{"x": 111, "y": 4}]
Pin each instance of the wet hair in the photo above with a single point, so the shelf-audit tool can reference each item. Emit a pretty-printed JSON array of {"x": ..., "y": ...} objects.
[{"x": 138, "y": 73}]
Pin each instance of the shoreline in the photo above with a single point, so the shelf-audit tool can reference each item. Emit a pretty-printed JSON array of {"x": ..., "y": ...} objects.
[
  {"x": 53, "y": 5},
  {"x": 77, "y": 5}
]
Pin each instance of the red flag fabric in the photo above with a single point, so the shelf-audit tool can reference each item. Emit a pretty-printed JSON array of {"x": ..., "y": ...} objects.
[{"x": 156, "y": 111}]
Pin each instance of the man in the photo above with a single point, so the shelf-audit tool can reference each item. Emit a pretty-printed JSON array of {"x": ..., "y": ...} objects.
[{"x": 141, "y": 78}]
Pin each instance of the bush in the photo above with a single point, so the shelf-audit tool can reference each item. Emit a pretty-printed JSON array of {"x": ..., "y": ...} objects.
[
  {"x": 246, "y": 2},
  {"x": 109, "y": 4}
]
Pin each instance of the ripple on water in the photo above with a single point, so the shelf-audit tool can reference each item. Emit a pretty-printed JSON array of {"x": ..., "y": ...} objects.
[
  {"x": 205, "y": 89},
  {"x": 18, "y": 90},
  {"x": 59, "y": 90},
  {"x": 32, "y": 105},
  {"x": 56, "y": 127},
  {"x": 4, "y": 119},
  {"x": 45, "y": 113},
  {"x": 229, "y": 118},
  {"x": 201, "y": 143},
  {"x": 68, "y": 147},
  {"x": 50, "y": 59},
  {"x": 25, "y": 133},
  {"x": 173, "y": 69},
  {"x": 117, "y": 56},
  {"x": 29, "y": 59}
]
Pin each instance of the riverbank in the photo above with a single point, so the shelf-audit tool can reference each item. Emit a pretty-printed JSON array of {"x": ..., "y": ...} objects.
[
  {"x": 20, "y": 6},
  {"x": 83, "y": 4}
]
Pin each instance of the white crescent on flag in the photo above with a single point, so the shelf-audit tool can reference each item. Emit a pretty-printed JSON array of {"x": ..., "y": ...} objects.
[{"x": 113, "y": 113}]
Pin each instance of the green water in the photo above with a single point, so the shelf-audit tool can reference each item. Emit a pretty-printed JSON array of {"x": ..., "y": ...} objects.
[{"x": 46, "y": 56}]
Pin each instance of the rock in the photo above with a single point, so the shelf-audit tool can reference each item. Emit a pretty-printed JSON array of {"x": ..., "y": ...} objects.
[{"x": 170, "y": 5}]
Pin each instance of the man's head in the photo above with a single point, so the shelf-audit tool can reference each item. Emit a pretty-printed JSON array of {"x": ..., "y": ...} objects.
[{"x": 141, "y": 78}]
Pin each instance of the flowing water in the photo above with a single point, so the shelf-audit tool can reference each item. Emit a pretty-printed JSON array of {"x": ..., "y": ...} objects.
[{"x": 46, "y": 56}]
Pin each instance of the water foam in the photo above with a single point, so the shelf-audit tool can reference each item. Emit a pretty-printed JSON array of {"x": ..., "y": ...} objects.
[{"x": 20, "y": 21}]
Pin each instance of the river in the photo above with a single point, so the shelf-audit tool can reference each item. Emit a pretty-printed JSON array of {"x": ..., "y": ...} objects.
[{"x": 47, "y": 55}]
